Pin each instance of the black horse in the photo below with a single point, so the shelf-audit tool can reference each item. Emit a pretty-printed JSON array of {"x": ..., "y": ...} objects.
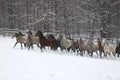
[{"x": 118, "y": 50}]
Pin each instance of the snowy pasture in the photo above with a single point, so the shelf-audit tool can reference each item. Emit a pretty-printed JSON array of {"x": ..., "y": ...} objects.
[{"x": 17, "y": 64}]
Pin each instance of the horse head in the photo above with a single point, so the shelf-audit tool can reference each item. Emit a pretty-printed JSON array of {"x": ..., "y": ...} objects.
[
  {"x": 15, "y": 35},
  {"x": 81, "y": 40},
  {"x": 39, "y": 34},
  {"x": 58, "y": 36},
  {"x": 21, "y": 34},
  {"x": 51, "y": 36},
  {"x": 103, "y": 42}
]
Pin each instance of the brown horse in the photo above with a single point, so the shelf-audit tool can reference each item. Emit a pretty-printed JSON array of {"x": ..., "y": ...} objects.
[{"x": 46, "y": 41}]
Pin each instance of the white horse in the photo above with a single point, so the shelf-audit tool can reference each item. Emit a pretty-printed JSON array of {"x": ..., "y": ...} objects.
[
  {"x": 89, "y": 46},
  {"x": 22, "y": 39},
  {"x": 108, "y": 47},
  {"x": 34, "y": 40},
  {"x": 65, "y": 43},
  {"x": 92, "y": 47},
  {"x": 82, "y": 46}
]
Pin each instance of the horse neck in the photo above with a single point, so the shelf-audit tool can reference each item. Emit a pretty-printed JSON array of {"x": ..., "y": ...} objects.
[
  {"x": 19, "y": 37},
  {"x": 104, "y": 43},
  {"x": 81, "y": 41},
  {"x": 60, "y": 37},
  {"x": 100, "y": 44},
  {"x": 16, "y": 35},
  {"x": 41, "y": 37},
  {"x": 63, "y": 38}
]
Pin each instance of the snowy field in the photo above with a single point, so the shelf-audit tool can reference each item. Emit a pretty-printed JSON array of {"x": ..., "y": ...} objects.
[{"x": 17, "y": 64}]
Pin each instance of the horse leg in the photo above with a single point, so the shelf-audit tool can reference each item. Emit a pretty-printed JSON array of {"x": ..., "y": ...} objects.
[
  {"x": 91, "y": 54},
  {"x": 61, "y": 48},
  {"x": 77, "y": 51},
  {"x": 81, "y": 53},
  {"x": 28, "y": 45},
  {"x": 38, "y": 45},
  {"x": 106, "y": 54},
  {"x": 68, "y": 49},
  {"x": 15, "y": 44},
  {"x": 74, "y": 50},
  {"x": 88, "y": 52},
  {"x": 100, "y": 52},
  {"x": 25, "y": 44},
  {"x": 118, "y": 54},
  {"x": 31, "y": 45},
  {"x": 55, "y": 47},
  {"x": 41, "y": 48},
  {"x": 114, "y": 54},
  {"x": 97, "y": 53},
  {"x": 21, "y": 46}
]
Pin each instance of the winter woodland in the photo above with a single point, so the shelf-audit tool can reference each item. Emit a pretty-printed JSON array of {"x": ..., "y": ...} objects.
[{"x": 73, "y": 17}]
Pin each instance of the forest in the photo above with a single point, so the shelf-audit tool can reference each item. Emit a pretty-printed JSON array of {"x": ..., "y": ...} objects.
[{"x": 73, "y": 17}]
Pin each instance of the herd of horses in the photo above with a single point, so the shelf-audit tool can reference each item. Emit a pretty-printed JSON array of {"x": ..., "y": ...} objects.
[{"x": 81, "y": 46}]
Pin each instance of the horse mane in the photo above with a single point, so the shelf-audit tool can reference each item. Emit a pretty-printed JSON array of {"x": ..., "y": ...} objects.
[
  {"x": 20, "y": 33},
  {"x": 99, "y": 42},
  {"x": 16, "y": 34},
  {"x": 60, "y": 36},
  {"x": 51, "y": 36},
  {"x": 105, "y": 42},
  {"x": 40, "y": 34},
  {"x": 81, "y": 40}
]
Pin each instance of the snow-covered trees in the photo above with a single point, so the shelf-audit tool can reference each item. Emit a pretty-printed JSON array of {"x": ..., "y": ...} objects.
[{"x": 63, "y": 16}]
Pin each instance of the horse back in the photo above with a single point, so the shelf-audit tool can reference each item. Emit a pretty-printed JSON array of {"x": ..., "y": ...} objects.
[
  {"x": 48, "y": 42},
  {"x": 22, "y": 39}
]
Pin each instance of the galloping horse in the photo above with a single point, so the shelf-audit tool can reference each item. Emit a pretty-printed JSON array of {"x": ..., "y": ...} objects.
[
  {"x": 20, "y": 38},
  {"x": 108, "y": 48},
  {"x": 90, "y": 47},
  {"x": 65, "y": 43},
  {"x": 32, "y": 40},
  {"x": 45, "y": 41},
  {"x": 82, "y": 46}
]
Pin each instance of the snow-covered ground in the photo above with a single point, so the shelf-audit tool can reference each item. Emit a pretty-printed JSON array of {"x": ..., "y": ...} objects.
[{"x": 17, "y": 64}]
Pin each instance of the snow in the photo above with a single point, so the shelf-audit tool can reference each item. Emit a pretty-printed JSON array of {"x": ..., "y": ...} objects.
[{"x": 17, "y": 64}]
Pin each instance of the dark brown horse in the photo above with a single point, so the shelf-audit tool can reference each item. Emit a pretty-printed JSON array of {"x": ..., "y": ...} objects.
[
  {"x": 118, "y": 50},
  {"x": 46, "y": 41}
]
